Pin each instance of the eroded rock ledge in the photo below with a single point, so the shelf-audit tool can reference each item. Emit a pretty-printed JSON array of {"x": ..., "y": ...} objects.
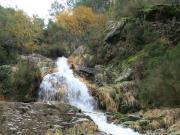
[{"x": 39, "y": 118}]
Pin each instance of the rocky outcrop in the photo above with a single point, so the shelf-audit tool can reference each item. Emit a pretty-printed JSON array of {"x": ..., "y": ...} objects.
[
  {"x": 44, "y": 119},
  {"x": 45, "y": 65},
  {"x": 84, "y": 70},
  {"x": 113, "y": 35}
]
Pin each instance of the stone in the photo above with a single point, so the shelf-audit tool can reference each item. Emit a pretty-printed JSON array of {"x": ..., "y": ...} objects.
[
  {"x": 46, "y": 65},
  {"x": 116, "y": 32},
  {"x": 132, "y": 117},
  {"x": 17, "y": 118},
  {"x": 124, "y": 75}
]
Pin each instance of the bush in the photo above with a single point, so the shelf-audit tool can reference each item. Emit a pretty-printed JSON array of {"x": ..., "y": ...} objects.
[
  {"x": 123, "y": 8},
  {"x": 5, "y": 79},
  {"x": 53, "y": 51},
  {"x": 5, "y": 58},
  {"x": 161, "y": 85},
  {"x": 27, "y": 79}
]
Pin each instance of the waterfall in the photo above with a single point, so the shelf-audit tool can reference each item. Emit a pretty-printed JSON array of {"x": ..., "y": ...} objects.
[{"x": 64, "y": 86}]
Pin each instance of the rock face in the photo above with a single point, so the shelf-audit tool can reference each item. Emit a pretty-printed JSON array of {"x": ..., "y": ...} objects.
[
  {"x": 43, "y": 119},
  {"x": 116, "y": 32},
  {"x": 45, "y": 65},
  {"x": 84, "y": 70}
]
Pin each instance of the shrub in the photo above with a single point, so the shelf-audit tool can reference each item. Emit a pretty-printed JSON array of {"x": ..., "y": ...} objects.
[
  {"x": 123, "y": 8},
  {"x": 5, "y": 79},
  {"x": 54, "y": 51},
  {"x": 160, "y": 87},
  {"x": 26, "y": 81}
]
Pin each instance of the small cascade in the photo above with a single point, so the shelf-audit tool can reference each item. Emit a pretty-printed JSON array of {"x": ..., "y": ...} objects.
[{"x": 64, "y": 86}]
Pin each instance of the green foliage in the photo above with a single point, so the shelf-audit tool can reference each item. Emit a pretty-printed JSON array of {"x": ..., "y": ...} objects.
[
  {"x": 160, "y": 86},
  {"x": 121, "y": 8},
  {"x": 160, "y": 12},
  {"x": 18, "y": 34},
  {"x": 5, "y": 79},
  {"x": 136, "y": 57},
  {"x": 7, "y": 56},
  {"x": 26, "y": 81},
  {"x": 96, "y": 5},
  {"x": 56, "y": 7},
  {"x": 57, "y": 38},
  {"x": 54, "y": 51}
]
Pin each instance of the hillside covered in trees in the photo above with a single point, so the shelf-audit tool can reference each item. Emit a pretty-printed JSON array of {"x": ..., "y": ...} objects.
[{"x": 126, "y": 51}]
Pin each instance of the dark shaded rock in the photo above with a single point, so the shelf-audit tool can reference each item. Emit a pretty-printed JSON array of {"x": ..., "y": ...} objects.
[
  {"x": 84, "y": 70},
  {"x": 132, "y": 117}
]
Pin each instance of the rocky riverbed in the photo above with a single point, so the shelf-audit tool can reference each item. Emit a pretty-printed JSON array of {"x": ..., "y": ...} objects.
[{"x": 161, "y": 121}]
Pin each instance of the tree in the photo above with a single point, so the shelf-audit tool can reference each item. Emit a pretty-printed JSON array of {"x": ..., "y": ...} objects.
[
  {"x": 96, "y": 5},
  {"x": 79, "y": 20},
  {"x": 56, "y": 7}
]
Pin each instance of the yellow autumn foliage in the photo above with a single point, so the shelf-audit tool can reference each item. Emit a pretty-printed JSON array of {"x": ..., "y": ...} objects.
[{"x": 79, "y": 20}]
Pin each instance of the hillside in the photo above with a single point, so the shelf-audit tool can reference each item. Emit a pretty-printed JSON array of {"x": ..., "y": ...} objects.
[{"x": 126, "y": 52}]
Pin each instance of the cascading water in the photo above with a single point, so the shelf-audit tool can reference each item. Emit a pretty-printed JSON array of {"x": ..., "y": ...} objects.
[{"x": 63, "y": 86}]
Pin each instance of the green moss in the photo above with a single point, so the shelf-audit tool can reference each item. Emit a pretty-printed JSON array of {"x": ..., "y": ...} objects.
[
  {"x": 129, "y": 19},
  {"x": 147, "y": 8},
  {"x": 136, "y": 57}
]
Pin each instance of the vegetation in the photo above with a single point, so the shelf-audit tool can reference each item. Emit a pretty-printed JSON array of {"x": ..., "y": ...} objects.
[
  {"x": 5, "y": 79},
  {"x": 26, "y": 81},
  {"x": 148, "y": 44},
  {"x": 160, "y": 86}
]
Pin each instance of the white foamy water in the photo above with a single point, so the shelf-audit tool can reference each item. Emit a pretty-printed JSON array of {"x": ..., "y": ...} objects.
[{"x": 64, "y": 86}]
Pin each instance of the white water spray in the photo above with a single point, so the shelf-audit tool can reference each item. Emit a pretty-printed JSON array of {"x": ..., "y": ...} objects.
[{"x": 63, "y": 86}]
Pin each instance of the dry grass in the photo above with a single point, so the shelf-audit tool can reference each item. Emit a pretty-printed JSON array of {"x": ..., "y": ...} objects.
[
  {"x": 54, "y": 132},
  {"x": 105, "y": 99},
  {"x": 86, "y": 128},
  {"x": 129, "y": 99},
  {"x": 164, "y": 117}
]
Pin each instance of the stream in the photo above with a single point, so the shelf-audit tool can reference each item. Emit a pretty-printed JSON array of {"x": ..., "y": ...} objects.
[{"x": 64, "y": 86}]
